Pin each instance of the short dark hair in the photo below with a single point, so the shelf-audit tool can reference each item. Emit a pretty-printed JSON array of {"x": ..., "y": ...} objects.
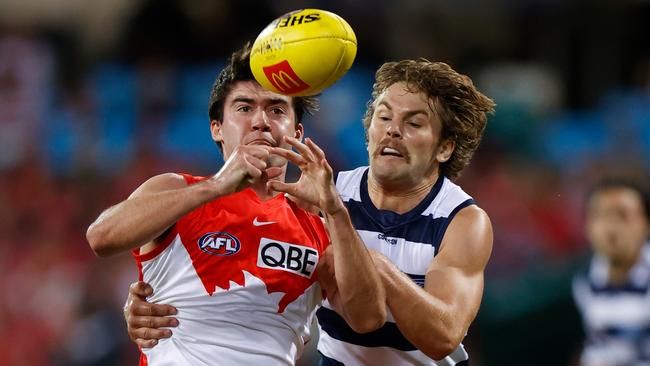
[
  {"x": 238, "y": 69},
  {"x": 461, "y": 107},
  {"x": 617, "y": 183}
]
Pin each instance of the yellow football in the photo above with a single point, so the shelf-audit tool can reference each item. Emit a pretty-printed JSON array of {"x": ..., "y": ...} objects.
[{"x": 303, "y": 52}]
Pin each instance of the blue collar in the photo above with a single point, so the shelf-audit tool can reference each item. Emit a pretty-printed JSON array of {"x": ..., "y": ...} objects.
[{"x": 390, "y": 219}]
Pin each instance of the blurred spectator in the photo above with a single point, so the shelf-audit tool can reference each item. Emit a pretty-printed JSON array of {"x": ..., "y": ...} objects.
[
  {"x": 26, "y": 86},
  {"x": 614, "y": 297}
]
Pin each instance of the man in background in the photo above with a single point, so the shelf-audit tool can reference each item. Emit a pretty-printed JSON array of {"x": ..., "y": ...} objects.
[{"x": 614, "y": 296}]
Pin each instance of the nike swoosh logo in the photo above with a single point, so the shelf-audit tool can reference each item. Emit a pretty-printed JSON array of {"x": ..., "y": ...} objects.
[{"x": 262, "y": 223}]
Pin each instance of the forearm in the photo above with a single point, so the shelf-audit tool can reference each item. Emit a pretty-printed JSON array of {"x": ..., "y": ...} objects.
[
  {"x": 359, "y": 285},
  {"x": 140, "y": 219},
  {"x": 426, "y": 321}
]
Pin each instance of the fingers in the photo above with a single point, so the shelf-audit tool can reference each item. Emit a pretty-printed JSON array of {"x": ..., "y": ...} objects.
[
  {"x": 256, "y": 159},
  {"x": 328, "y": 168},
  {"x": 273, "y": 172},
  {"x": 309, "y": 152},
  {"x": 276, "y": 185},
  {"x": 142, "y": 308},
  {"x": 146, "y": 343},
  {"x": 256, "y": 162},
  {"x": 143, "y": 319},
  {"x": 301, "y": 148},
  {"x": 292, "y": 156},
  {"x": 140, "y": 289},
  {"x": 148, "y": 334},
  {"x": 154, "y": 322},
  {"x": 259, "y": 151},
  {"x": 316, "y": 151},
  {"x": 320, "y": 155}
]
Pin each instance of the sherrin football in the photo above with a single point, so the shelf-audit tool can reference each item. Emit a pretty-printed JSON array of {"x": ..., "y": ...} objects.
[{"x": 303, "y": 52}]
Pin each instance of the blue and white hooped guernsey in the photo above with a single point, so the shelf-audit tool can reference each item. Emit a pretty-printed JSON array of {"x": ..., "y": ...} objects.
[
  {"x": 410, "y": 240},
  {"x": 616, "y": 318}
]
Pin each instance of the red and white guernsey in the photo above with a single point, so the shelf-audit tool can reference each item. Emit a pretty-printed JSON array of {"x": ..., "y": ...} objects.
[{"x": 241, "y": 273}]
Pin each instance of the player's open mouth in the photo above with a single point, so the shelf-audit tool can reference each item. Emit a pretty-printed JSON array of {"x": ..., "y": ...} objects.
[{"x": 389, "y": 151}]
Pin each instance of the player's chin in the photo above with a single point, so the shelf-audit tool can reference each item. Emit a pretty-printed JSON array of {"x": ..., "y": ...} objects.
[
  {"x": 389, "y": 162},
  {"x": 388, "y": 171}
]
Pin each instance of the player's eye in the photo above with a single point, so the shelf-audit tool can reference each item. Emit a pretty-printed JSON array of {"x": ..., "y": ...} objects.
[
  {"x": 277, "y": 110},
  {"x": 244, "y": 108}
]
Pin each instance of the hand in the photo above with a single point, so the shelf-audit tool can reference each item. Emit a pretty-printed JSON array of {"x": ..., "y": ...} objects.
[
  {"x": 143, "y": 319},
  {"x": 246, "y": 165},
  {"x": 315, "y": 186},
  {"x": 304, "y": 205}
]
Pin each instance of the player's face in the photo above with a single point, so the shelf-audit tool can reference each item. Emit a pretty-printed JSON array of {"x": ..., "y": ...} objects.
[
  {"x": 616, "y": 224},
  {"x": 404, "y": 143},
  {"x": 254, "y": 115}
]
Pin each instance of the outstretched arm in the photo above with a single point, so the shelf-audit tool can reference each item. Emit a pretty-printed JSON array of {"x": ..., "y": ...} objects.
[
  {"x": 359, "y": 288},
  {"x": 162, "y": 200},
  {"x": 436, "y": 318},
  {"x": 150, "y": 210}
]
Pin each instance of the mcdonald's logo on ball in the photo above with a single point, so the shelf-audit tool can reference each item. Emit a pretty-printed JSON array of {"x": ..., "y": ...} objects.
[
  {"x": 284, "y": 79},
  {"x": 303, "y": 52}
]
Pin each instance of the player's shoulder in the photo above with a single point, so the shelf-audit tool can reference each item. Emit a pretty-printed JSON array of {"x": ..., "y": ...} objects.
[
  {"x": 348, "y": 182},
  {"x": 161, "y": 182},
  {"x": 447, "y": 199},
  {"x": 473, "y": 222},
  {"x": 469, "y": 239},
  {"x": 472, "y": 212},
  {"x": 452, "y": 191},
  {"x": 347, "y": 175}
]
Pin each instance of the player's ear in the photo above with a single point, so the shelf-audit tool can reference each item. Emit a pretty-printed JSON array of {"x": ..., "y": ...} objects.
[
  {"x": 445, "y": 150},
  {"x": 215, "y": 129},
  {"x": 300, "y": 132}
]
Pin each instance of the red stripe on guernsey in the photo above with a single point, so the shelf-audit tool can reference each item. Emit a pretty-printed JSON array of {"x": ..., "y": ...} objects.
[
  {"x": 190, "y": 179},
  {"x": 143, "y": 359},
  {"x": 164, "y": 243},
  {"x": 239, "y": 215},
  {"x": 139, "y": 263}
]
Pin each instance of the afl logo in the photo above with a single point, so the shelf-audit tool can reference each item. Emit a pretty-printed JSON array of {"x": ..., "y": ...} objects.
[{"x": 219, "y": 243}]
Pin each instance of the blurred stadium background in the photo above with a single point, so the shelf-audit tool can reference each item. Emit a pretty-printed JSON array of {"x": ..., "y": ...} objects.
[{"x": 96, "y": 96}]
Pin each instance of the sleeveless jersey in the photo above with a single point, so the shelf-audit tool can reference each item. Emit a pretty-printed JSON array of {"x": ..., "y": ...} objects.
[
  {"x": 410, "y": 240},
  {"x": 616, "y": 318},
  {"x": 241, "y": 273}
]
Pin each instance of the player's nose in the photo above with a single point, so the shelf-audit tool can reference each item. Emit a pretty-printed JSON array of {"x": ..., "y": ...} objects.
[
  {"x": 260, "y": 121},
  {"x": 393, "y": 129}
]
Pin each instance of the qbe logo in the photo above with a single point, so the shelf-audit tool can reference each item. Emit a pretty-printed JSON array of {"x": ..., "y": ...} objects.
[
  {"x": 288, "y": 257},
  {"x": 219, "y": 243}
]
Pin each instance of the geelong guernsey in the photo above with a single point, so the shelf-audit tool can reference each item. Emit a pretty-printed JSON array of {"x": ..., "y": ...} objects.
[
  {"x": 410, "y": 240},
  {"x": 241, "y": 273},
  {"x": 616, "y": 318}
]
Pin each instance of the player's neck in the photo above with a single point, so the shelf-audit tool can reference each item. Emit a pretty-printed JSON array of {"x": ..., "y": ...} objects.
[
  {"x": 264, "y": 194},
  {"x": 619, "y": 271},
  {"x": 400, "y": 198},
  {"x": 618, "y": 275}
]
